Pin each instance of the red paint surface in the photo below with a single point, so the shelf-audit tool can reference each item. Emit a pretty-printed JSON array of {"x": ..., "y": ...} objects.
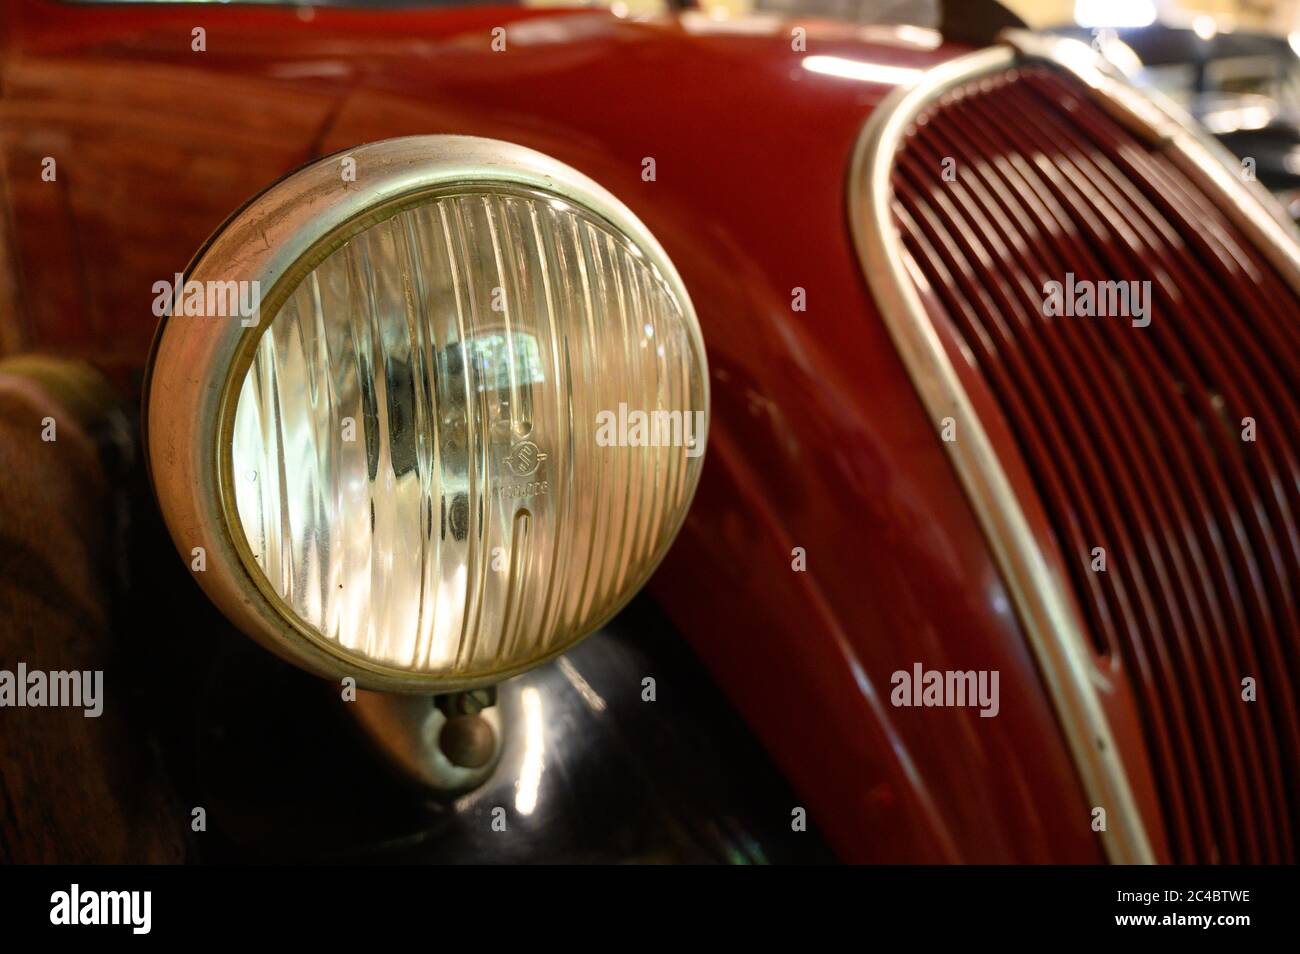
[{"x": 818, "y": 439}]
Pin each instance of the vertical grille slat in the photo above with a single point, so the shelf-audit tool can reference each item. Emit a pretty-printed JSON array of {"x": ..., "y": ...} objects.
[
  {"x": 1139, "y": 461},
  {"x": 1075, "y": 189},
  {"x": 1133, "y": 434},
  {"x": 1131, "y": 206}
]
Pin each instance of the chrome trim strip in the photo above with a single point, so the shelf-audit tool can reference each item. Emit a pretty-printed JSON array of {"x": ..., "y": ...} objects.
[{"x": 1042, "y": 600}]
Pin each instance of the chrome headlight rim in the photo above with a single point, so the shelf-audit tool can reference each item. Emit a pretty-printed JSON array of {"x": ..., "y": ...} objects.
[{"x": 196, "y": 370}]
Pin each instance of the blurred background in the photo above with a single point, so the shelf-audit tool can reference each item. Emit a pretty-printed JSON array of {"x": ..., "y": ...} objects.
[
  {"x": 1275, "y": 15},
  {"x": 1280, "y": 15},
  {"x": 1234, "y": 65}
]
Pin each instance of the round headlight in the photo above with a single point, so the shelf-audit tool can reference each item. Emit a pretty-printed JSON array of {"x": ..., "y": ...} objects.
[{"x": 428, "y": 413}]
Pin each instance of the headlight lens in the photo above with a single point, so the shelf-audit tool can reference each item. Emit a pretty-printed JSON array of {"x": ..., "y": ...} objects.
[
  {"x": 466, "y": 435},
  {"x": 415, "y": 455}
]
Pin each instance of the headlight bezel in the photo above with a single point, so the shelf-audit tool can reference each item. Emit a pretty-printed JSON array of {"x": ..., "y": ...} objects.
[{"x": 198, "y": 364}]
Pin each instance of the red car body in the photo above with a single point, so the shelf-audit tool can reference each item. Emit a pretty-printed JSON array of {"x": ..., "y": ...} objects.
[{"x": 819, "y": 441}]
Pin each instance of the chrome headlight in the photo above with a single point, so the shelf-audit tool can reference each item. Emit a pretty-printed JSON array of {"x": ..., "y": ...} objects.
[{"x": 453, "y": 424}]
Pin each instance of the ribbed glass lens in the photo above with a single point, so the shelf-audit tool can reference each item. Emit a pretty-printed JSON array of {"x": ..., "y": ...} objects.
[{"x": 437, "y": 461}]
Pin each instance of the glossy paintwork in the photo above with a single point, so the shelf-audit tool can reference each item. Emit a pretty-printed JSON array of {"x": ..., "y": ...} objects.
[
  {"x": 587, "y": 773},
  {"x": 818, "y": 440}
]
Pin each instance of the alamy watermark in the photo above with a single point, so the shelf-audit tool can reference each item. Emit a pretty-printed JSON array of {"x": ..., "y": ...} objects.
[
  {"x": 75, "y": 906},
  {"x": 947, "y": 687},
  {"x": 36, "y": 688},
  {"x": 1081, "y": 298},
  {"x": 636, "y": 428},
  {"x": 210, "y": 299}
]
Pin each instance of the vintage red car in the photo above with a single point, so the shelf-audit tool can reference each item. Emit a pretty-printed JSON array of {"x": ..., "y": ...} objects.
[{"x": 995, "y": 545}]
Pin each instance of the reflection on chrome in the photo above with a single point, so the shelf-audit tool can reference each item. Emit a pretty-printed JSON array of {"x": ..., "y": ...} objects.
[
  {"x": 583, "y": 688},
  {"x": 530, "y": 773}
]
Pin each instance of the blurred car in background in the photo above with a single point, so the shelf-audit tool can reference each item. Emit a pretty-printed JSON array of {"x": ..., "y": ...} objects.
[{"x": 1243, "y": 86}]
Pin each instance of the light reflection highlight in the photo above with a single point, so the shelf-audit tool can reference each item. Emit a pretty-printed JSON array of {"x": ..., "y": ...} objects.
[
  {"x": 858, "y": 70},
  {"x": 581, "y": 686},
  {"x": 1114, "y": 13},
  {"x": 530, "y": 772}
]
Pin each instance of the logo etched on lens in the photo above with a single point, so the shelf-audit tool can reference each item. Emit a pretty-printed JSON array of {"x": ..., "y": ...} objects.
[{"x": 525, "y": 457}]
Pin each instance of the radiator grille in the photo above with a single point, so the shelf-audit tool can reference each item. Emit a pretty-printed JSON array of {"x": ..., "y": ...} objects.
[{"x": 1134, "y": 435}]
